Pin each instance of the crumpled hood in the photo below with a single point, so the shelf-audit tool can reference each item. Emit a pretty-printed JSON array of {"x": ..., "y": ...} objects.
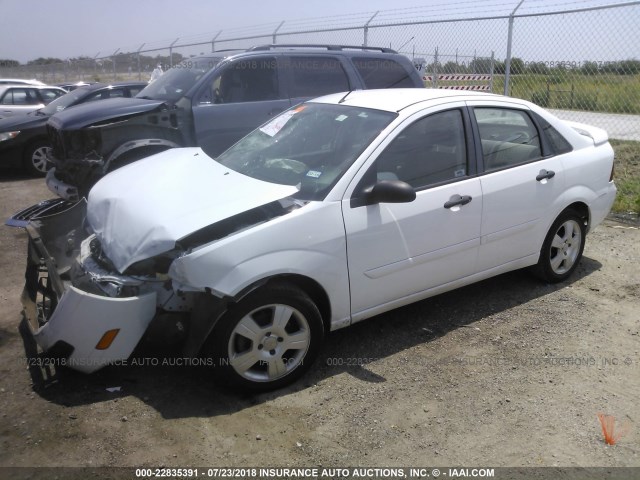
[
  {"x": 141, "y": 210},
  {"x": 87, "y": 114}
]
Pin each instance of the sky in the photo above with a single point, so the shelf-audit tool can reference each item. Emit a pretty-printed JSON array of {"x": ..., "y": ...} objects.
[{"x": 70, "y": 28}]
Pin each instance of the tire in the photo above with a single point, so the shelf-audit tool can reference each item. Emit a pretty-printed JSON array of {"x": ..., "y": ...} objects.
[
  {"x": 248, "y": 345},
  {"x": 35, "y": 158},
  {"x": 562, "y": 248}
]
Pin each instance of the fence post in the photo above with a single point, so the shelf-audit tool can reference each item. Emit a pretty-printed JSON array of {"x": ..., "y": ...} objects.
[
  {"x": 113, "y": 60},
  {"x": 213, "y": 41},
  {"x": 138, "y": 55},
  {"x": 171, "y": 52},
  {"x": 273, "y": 36},
  {"x": 366, "y": 28},
  {"x": 95, "y": 66},
  {"x": 434, "y": 80},
  {"x": 507, "y": 64},
  {"x": 493, "y": 64}
]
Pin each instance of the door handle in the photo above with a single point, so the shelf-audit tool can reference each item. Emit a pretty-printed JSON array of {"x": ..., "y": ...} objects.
[
  {"x": 545, "y": 174},
  {"x": 456, "y": 200}
]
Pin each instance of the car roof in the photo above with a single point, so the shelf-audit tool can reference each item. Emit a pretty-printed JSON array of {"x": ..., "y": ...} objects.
[
  {"x": 396, "y": 99},
  {"x": 288, "y": 49},
  {"x": 4, "y": 88},
  {"x": 98, "y": 86},
  {"x": 20, "y": 81}
]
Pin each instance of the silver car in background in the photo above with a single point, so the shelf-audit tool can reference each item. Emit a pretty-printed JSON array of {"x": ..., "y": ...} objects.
[{"x": 18, "y": 99}]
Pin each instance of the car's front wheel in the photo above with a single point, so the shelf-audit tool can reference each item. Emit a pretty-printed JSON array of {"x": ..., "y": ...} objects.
[
  {"x": 562, "y": 248},
  {"x": 267, "y": 340},
  {"x": 35, "y": 158}
]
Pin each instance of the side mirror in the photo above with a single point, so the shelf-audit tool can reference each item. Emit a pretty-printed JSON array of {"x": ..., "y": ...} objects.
[{"x": 390, "y": 191}]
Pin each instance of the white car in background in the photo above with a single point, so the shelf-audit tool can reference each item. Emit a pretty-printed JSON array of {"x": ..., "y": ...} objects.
[
  {"x": 19, "y": 81},
  {"x": 337, "y": 210},
  {"x": 21, "y": 99}
]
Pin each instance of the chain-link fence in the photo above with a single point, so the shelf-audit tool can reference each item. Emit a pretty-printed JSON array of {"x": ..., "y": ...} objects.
[{"x": 581, "y": 60}]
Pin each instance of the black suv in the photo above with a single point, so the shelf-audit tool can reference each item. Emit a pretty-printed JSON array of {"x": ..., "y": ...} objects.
[{"x": 210, "y": 101}]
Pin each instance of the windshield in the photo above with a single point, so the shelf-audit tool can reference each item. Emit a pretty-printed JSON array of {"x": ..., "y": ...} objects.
[
  {"x": 178, "y": 80},
  {"x": 65, "y": 101},
  {"x": 309, "y": 146}
]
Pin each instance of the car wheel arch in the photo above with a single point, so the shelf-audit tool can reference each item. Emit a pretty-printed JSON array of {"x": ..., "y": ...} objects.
[
  {"x": 133, "y": 150},
  {"x": 582, "y": 209},
  {"x": 569, "y": 251},
  {"x": 308, "y": 285},
  {"x": 209, "y": 309}
]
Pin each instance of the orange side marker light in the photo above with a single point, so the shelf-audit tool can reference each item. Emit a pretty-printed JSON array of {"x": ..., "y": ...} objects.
[{"x": 107, "y": 339}]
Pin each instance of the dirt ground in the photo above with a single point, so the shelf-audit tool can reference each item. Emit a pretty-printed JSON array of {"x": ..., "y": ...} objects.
[{"x": 507, "y": 372}]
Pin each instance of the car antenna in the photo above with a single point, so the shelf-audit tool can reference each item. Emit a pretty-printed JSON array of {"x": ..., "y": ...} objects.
[{"x": 345, "y": 97}]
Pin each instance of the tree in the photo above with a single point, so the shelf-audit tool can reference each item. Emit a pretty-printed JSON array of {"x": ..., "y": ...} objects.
[
  {"x": 453, "y": 67},
  {"x": 517, "y": 66},
  {"x": 45, "y": 61},
  {"x": 538, "y": 68},
  {"x": 433, "y": 67},
  {"x": 481, "y": 65},
  {"x": 589, "y": 68},
  {"x": 9, "y": 63},
  {"x": 629, "y": 67}
]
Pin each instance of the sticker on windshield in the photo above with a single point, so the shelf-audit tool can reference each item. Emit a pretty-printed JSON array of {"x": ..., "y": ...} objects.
[
  {"x": 341, "y": 118},
  {"x": 274, "y": 126},
  {"x": 314, "y": 174}
]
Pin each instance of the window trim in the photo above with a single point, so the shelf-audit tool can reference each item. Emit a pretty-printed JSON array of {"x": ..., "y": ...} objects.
[{"x": 548, "y": 149}]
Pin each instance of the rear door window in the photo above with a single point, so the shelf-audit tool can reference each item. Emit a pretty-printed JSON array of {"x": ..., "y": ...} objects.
[
  {"x": 249, "y": 80},
  {"x": 49, "y": 94},
  {"x": 382, "y": 73},
  {"x": 509, "y": 137},
  {"x": 21, "y": 96}
]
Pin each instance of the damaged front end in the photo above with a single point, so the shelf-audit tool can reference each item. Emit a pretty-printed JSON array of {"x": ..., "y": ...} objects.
[
  {"x": 76, "y": 161},
  {"x": 78, "y": 309},
  {"x": 88, "y": 142}
]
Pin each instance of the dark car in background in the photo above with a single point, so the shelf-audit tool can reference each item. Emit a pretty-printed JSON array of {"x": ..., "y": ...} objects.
[
  {"x": 210, "y": 102},
  {"x": 23, "y": 139},
  {"x": 73, "y": 85}
]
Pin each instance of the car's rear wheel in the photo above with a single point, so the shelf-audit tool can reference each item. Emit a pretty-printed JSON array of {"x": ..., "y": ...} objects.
[
  {"x": 35, "y": 158},
  {"x": 562, "y": 248},
  {"x": 267, "y": 340}
]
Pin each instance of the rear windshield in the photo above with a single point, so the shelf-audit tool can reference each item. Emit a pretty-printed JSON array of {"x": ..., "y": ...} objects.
[{"x": 65, "y": 101}]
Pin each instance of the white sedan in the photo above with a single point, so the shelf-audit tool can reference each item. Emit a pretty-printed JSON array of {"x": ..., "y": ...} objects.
[{"x": 337, "y": 210}]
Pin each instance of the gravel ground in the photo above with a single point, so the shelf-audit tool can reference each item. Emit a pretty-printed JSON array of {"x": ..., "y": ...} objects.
[{"x": 507, "y": 372}]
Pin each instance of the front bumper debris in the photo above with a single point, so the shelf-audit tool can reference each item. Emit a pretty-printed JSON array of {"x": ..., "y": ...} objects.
[
  {"x": 60, "y": 188},
  {"x": 59, "y": 313},
  {"x": 43, "y": 209}
]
